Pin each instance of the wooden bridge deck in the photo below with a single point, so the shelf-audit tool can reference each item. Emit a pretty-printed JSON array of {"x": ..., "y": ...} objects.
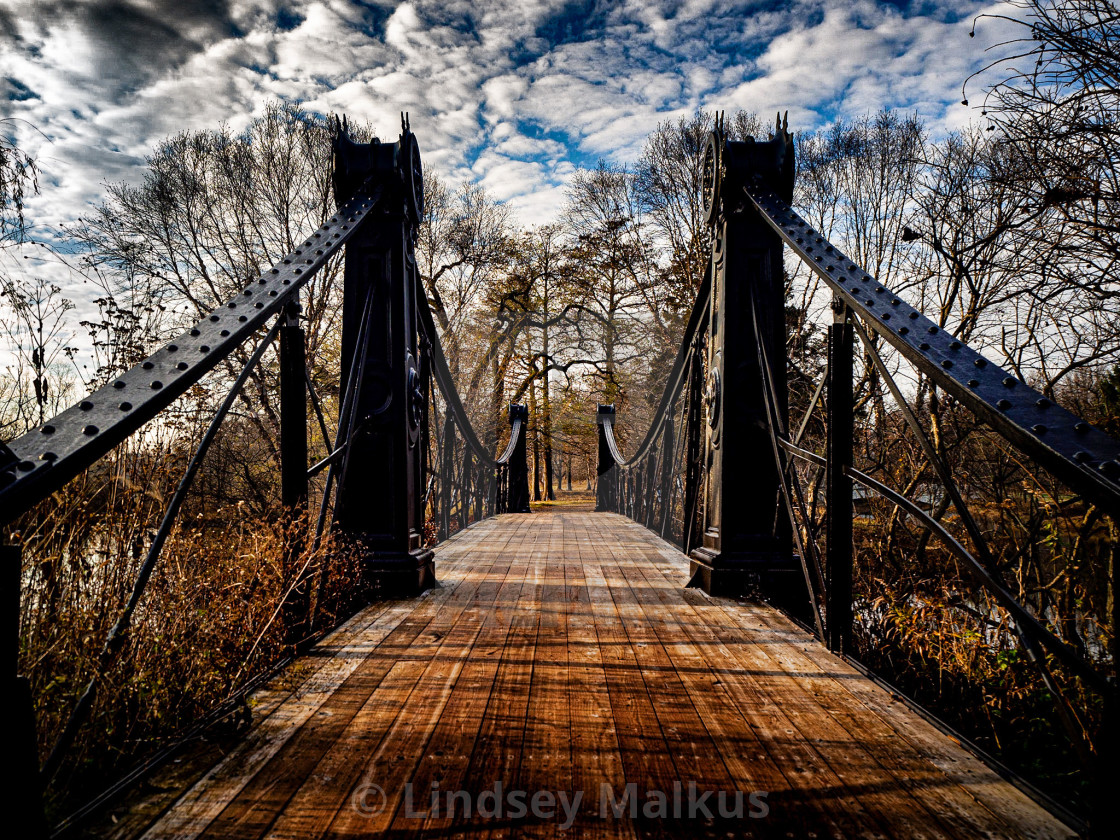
[{"x": 562, "y": 655}]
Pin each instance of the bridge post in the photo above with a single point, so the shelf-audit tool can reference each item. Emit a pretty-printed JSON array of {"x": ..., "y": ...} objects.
[
  {"x": 517, "y": 480},
  {"x": 841, "y": 432},
  {"x": 606, "y": 489},
  {"x": 745, "y": 541},
  {"x": 293, "y": 467},
  {"x": 379, "y": 507},
  {"x": 24, "y": 793}
]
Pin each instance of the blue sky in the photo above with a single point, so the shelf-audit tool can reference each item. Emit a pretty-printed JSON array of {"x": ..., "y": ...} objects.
[{"x": 512, "y": 95}]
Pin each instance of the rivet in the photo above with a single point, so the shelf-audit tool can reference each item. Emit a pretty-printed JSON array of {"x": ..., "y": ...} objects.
[
  {"x": 1109, "y": 468},
  {"x": 30, "y": 465},
  {"x": 48, "y": 456},
  {"x": 85, "y": 405},
  {"x": 974, "y": 383},
  {"x": 895, "y": 302},
  {"x": 886, "y": 316},
  {"x": 243, "y": 318},
  {"x": 913, "y": 316},
  {"x": 147, "y": 366},
  {"x": 172, "y": 348},
  {"x": 182, "y": 366},
  {"x": 1008, "y": 382},
  {"x": 287, "y": 262},
  {"x": 273, "y": 293},
  {"x": 258, "y": 305},
  {"x": 90, "y": 430},
  {"x": 47, "y": 430},
  {"x": 980, "y": 362},
  {"x": 1081, "y": 456},
  {"x": 204, "y": 349},
  {"x": 1038, "y": 429},
  {"x": 1003, "y": 405},
  {"x": 932, "y": 330},
  {"x": 1081, "y": 428},
  {"x": 215, "y": 318},
  {"x": 946, "y": 363},
  {"x": 299, "y": 271},
  {"x": 954, "y": 345},
  {"x": 120, "y": 383},
  {"x": 275, "y": 270},
  {"x": 125, "y": 406},
  {"x": 232, "y": 305},
  {"x": 195, "y": 333},
  {"x": 156, "y": 384},
  {"x": 903, "y": 330},
  {"x": 923, "y": 346},
  {"x": 224, "y": 333},
  {"x": 830, "y": 268},
  {"x": 248, "y": 293},
  {"x": 1042, "y": 402}
]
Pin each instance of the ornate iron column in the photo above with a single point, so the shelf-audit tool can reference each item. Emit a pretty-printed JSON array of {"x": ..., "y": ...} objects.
[
  {"x": 381, "y": 488},
  {"x": 745, "y": 539}
]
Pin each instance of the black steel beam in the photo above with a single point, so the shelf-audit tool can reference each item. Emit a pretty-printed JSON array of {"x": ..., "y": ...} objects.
[
  {"x": 1085, "y": 457},
  {"x": 52, "y": 454}
]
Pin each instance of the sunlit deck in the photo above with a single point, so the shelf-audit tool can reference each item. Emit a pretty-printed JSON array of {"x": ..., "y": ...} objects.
[{"x": 561, "y": 656}]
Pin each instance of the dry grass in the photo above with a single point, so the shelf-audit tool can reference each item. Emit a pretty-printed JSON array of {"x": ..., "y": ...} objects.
[{"x": 209, "y": 620}]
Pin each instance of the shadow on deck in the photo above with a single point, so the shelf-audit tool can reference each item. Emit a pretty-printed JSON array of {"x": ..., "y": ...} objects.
[{"x": 561, "y": 657}]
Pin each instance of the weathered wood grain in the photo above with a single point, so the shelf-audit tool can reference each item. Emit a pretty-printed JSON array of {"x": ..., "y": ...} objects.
[{"x": 562, "y": 655}]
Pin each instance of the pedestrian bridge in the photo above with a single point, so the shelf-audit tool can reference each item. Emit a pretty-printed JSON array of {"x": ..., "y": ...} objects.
[{"x": 607, "y": 673}]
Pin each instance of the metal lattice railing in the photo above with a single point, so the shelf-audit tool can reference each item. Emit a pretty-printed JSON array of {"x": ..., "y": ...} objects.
[{"x": 659, "y": 485}]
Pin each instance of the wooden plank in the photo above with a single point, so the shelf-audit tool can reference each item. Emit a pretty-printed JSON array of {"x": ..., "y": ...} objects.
[
  {"x": 756, "y": 737},
  {"x": 594, "y": 746},
  {"x": 562, "y": 654},
  {"x": 445, "y": 762},
  {"x": 342, "y": 653},
  {"x": 964, "y": 790},
  {"x": 498, "y": 747},
  {"x": 381, "y": 744}
]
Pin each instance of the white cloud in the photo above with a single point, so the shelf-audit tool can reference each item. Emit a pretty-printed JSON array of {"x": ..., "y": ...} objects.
[{"x": 505, "y": 92}]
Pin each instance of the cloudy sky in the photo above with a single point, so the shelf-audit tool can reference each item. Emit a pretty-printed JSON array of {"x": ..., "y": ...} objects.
[{"x": 512, "y": 95}]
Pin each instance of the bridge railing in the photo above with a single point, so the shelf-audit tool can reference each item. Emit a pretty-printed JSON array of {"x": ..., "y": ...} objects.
[
  {"x": 843, "y": 492},
  {"x": 658, "y": 485},
  {"x": 385, "y": 394},
  {"x": 465, "y": 482}
]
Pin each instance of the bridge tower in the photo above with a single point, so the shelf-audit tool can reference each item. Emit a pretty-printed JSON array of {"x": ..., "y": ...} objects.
[
  {"x": 381, "y": 487},
  {"x": 745, "y": 535}
]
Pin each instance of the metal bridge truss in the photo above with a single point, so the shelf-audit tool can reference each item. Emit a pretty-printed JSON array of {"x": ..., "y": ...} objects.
[
  {"x": 404, "y": 466},
  {"x": 730, "y": 478}
]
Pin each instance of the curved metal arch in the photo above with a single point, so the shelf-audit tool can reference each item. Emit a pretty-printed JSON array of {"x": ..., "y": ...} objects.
[
  {"x": 697, "y": 322},
  {"x": 442, "y": 373}
]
